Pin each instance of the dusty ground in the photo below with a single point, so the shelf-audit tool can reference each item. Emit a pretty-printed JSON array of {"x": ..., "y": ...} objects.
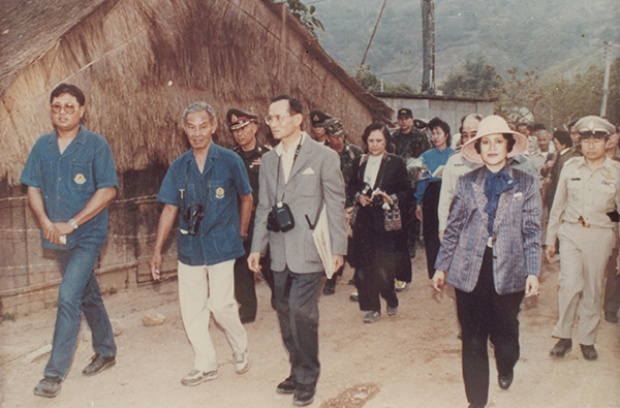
[{"x": 409, "y": 360}]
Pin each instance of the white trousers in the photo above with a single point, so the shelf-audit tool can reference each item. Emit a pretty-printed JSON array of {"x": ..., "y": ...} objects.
[
  {"x": 584, "y": 253},
  {"x": 204, "y": 290}
]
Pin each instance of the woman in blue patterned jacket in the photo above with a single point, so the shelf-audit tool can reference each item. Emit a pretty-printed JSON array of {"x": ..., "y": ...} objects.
[{"x": 491, "y": 254}]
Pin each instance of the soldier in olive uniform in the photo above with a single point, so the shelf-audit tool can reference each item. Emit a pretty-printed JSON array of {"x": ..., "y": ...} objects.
[
  {"x": 334, "y": 129},
  {"x": 588, "y": 192},
  {"x": 243, "y": 126},
  {"x": 409, "y": 143}
]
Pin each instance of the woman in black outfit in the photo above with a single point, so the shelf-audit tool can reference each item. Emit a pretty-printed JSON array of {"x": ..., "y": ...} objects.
[{"x": 381, "y": 189}]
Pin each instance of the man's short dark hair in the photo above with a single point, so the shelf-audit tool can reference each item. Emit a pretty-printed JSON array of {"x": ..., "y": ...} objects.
[
  {"x": 71, "y": 90},
  {"x": 377, "y": 126},
  {"x": 294, "y": 104},
  {"x": 563, "y": 137},
  {"x": 509, "y": 138},
  {"x": 438, "y": 123}
]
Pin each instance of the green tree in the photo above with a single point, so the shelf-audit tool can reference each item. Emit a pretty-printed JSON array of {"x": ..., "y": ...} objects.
[
  {"x": 366, "y": 78},
  {"x": 519, "y": 95},
  {"x": 305, "y": 15},
  {"x": 474, "y": 79}
]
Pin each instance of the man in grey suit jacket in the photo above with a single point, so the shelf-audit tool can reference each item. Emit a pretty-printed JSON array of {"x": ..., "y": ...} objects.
[{"x": 304, "y": 175}]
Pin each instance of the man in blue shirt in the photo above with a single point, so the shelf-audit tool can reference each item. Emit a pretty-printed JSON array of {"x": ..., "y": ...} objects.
[
  {"x": 71, "y": 180},
  {"x": 208, "y": 189}
]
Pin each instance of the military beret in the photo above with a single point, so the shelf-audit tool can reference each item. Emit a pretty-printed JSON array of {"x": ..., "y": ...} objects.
[
  {"x": 405, "y": 113},
  {"x": 592, "y": 124},
  {"x": 237, "y": 118},
  {"x": 318, "y": 118},
  {"x": 334, "y": 127}
]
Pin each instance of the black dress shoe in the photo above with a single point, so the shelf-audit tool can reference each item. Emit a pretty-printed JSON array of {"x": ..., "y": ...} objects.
[
  {"x": 589, "y": 352},
  {"x": 611, "y": 317},
  {"x": 287, "y": 386},
  {"x": 561, "y": 347},
  {"x": 505, "y": 381},
  {"x": 98, "y": 364},
  {"x": 304, "y": 395},
  {"x": 329, "y": 288}
]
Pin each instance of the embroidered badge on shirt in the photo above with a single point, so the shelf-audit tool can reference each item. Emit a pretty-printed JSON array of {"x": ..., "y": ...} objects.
[
  {"x": 79, "y": 178},
  {"x": 219, "y": 192}
]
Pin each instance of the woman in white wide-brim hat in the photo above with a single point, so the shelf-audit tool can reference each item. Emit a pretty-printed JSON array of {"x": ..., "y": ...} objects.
[{"x": 491, "y": 254}]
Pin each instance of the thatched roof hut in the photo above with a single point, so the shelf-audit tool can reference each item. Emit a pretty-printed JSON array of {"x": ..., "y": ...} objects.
[{"x": 140, "y": 62}]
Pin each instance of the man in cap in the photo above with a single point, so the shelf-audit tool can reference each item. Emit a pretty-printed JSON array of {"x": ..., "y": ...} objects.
[
  {"x": 318, "y": 119},
  {"x": 409, "y": 143},
  {"x": 347, "y": 152},
  {"x": 612, "y": 283},
  {"x": 243, "y": 126},
  {"x": 588, "y": 190},
  {"x": 207, "y": 191}
]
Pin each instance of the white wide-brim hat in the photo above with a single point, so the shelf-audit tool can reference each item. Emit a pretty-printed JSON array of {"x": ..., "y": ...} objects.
[{"x": 489, "y": 126}]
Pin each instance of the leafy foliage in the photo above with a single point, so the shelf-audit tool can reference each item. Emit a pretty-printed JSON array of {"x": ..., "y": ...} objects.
[
  {"x": 475, "y": 79},
  {"x": 366, "y": 78},
  {"x": 305, "y": 15}
]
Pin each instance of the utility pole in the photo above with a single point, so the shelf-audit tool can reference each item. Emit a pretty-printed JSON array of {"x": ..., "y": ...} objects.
[
  {"x": 428, "y": 47},
  {"x": 606, "y": 80}
]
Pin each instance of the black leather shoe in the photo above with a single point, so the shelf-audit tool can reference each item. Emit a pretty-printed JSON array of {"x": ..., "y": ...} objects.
[
  {"x": 48, "y": 387},
  {"x": 329, "y": 288},
  {"x": 561, "y": 347},
  {"x": 287, "y": 386},
  {"x": 98, "y": 364},
  {"x": 611, "y": 317},
  {"x": 505, "y": 381},
  {"x": 589, "y": 352},
  {"x": 304, "y": 395}
]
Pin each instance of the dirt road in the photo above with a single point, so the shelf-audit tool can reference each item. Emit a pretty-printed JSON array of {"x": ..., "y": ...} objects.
[{"x": 408, "y": 360}]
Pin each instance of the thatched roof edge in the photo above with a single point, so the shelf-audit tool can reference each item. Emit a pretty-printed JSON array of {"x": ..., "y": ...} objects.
[{"x": 378, "y": 108}]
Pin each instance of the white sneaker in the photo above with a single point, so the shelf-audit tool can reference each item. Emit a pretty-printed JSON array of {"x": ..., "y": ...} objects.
[
  {"x": 195, "y": 377},
  {"x": 242, "y": 362},
  {"x": 399, "y": 285}
]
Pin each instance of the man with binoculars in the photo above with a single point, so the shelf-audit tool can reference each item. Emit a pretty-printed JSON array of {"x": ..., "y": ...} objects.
[{"x": 208, "y": 189}]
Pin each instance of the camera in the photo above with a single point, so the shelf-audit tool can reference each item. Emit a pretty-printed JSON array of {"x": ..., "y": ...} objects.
[
  {"x": 280, "y": 218},
  {"x": 193, "y": 215},
  {"x": 377, "y": 200}
]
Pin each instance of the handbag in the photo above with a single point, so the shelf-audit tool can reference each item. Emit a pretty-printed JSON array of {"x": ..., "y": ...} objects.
[{"x": 392, "y": 219}]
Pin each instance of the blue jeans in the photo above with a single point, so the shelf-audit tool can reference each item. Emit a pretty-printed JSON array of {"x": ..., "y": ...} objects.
[{"x": 78, "y": 291}]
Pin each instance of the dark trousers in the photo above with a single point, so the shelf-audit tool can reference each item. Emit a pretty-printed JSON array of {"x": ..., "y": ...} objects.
[
  {"x": 245, "y": 287},
  {"x": 484, "y": 315},
  {"x": 413, "y": 230},
  {"x": 376, "y": 278},
  {"x": 430, "y": 225},
  {"x": 612, "y": 285},
  {"x": 297, "y": 297}
]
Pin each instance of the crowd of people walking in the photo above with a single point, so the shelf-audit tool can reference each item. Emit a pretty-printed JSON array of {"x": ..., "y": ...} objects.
[{"x": 485, "y": 202}]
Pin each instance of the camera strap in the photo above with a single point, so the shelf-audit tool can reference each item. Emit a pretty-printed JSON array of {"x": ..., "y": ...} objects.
[
  {"x": 297, "y": 149},
  {"x": 316, "y": 219}
]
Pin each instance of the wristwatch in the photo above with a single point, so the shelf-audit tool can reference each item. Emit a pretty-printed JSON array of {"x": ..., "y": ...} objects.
[{"x": 72, "y": 223}]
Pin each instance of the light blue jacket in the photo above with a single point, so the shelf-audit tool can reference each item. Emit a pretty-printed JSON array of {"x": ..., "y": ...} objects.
[{"x": 516, "y": 233}]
